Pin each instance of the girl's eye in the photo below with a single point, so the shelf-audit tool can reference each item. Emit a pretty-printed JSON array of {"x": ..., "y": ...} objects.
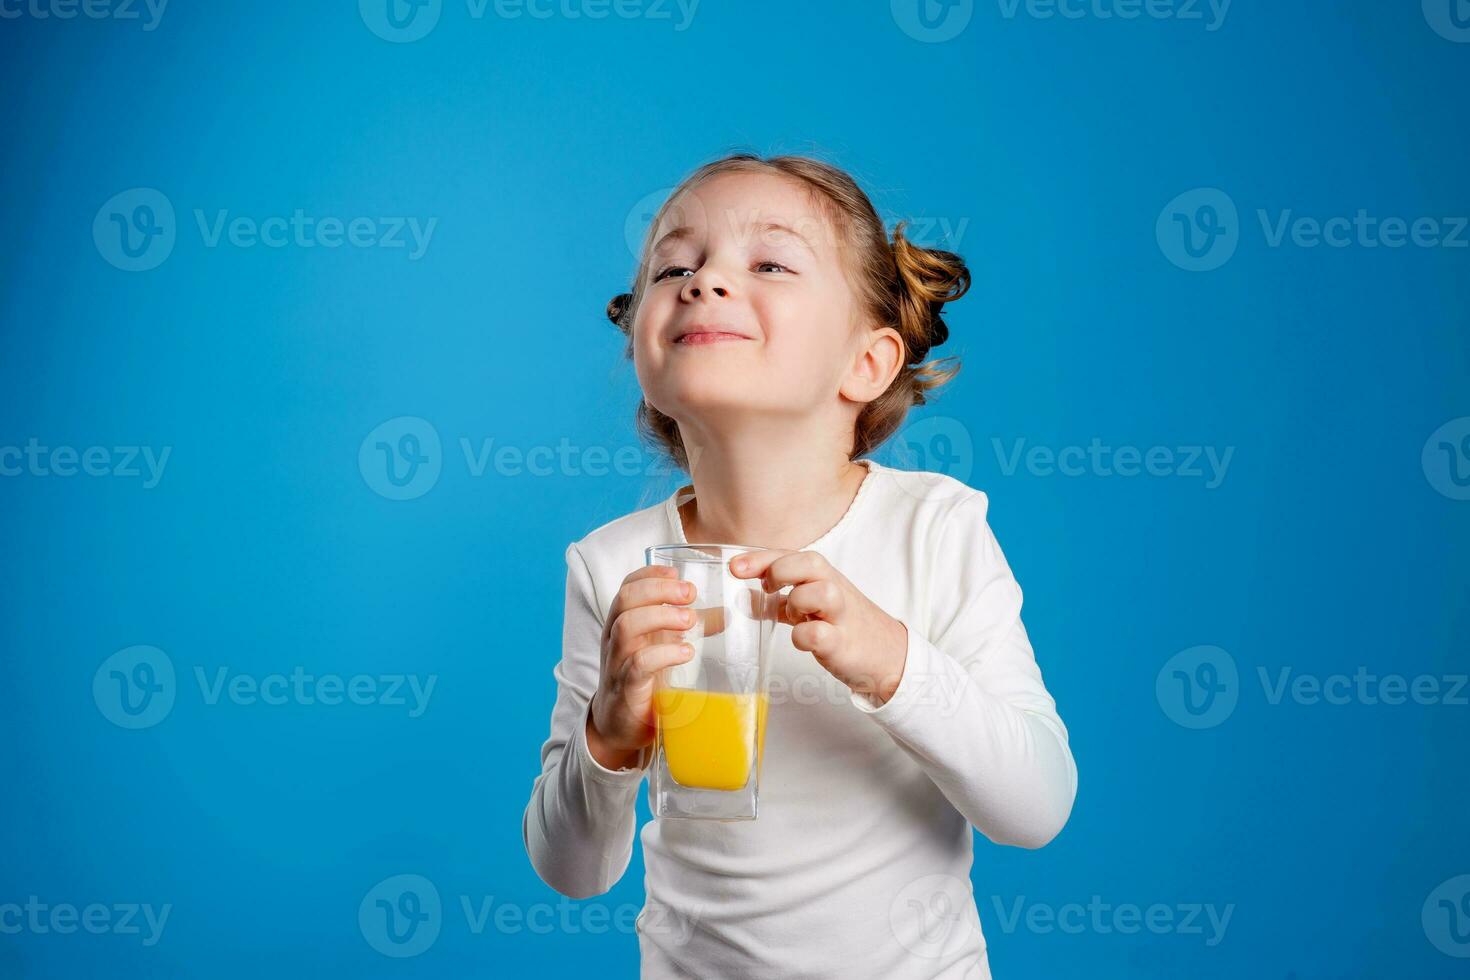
[{"x": 760, "y": 266}]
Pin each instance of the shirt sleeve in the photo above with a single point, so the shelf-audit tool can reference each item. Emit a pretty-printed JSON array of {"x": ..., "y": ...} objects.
[
  {"x": 970, "y": 707},
  {"x": 579, "y": 825}
]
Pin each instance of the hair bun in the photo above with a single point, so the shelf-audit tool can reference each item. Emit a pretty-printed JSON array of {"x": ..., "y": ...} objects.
[
  {"x": 938, "y": 329},
  {"x": 928, "y": 278},
  {"x": 617, "y": 307}
]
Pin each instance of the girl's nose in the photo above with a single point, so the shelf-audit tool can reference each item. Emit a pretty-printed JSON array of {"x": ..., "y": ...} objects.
[{"x": 706, "y": 280}]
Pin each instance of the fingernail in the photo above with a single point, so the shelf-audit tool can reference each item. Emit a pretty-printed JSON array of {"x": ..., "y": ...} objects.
[
  {"x": 686, "y": 589},
  {"x": 738, "y": 565}
]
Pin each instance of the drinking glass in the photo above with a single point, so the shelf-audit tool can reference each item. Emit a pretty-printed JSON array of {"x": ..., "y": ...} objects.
[{"x": 711, "y": 711}]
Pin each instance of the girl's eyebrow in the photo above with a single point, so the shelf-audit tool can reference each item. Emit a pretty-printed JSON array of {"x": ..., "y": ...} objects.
[
  {"x": 768, "y": 226},
  {"x": 671, "y": 236},
  {"x": 683, "y": 232}
]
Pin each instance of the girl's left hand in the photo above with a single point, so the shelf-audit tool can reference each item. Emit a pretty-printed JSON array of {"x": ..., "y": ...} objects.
[{"x": 858, "y": 643}]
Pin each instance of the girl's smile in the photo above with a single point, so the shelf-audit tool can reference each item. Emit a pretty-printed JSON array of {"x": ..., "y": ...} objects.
[{"x": 703, "y": 338}]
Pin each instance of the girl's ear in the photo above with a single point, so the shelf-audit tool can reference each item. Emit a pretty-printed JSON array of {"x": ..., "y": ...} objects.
[{"x": 874, "y": 366}]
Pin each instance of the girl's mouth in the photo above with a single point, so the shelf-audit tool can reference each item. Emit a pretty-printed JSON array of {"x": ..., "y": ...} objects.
[{"x": 700, "y": 339}]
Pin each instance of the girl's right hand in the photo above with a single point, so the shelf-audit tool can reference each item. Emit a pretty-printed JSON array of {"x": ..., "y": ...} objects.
[{"x": 640, "y": 638}]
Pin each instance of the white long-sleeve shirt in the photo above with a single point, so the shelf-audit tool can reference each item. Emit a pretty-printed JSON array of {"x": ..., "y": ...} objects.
[{"x": 859, "y": 863}]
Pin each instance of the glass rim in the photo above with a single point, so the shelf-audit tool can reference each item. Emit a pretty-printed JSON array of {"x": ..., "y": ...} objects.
[{"x": 724, "y": 549}]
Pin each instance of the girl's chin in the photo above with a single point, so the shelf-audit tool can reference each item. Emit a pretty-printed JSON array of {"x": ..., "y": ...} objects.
[
  {"x": 707, "y": 400},
  {"x": 713, "y": 379}
]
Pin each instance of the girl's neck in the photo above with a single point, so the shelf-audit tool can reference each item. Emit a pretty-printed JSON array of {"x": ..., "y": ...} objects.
[{"x": 766, "y": 497}]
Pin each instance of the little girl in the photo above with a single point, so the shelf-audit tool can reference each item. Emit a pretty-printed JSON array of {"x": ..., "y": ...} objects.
[{"x": 779, "y": 336}]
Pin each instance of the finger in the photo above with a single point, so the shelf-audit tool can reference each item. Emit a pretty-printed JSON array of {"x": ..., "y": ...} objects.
[
  {"x": 648, "y": 573},
  {"x": 778, "y": 610},
  {"x": 654, "y": 590},
  {"x": 709, "y": 621},
  {"x": 752, "y": 564},
  {"x": 817, "y": 636},
  {"x": 794, "y": 568},
  {"x": 821, "y": 599},
  {"x": 631, "y": 630},
  {"x": 644, "y": 664}
]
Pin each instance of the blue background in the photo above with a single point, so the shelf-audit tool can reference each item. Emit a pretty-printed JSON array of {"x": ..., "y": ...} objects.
[{"x": 1057, "y": 142}]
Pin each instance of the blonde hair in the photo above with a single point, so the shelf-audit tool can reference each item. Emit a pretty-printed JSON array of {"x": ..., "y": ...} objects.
[{"x": 900, "y": 284}]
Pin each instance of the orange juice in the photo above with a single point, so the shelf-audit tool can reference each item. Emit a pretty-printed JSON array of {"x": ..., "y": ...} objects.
[{"x": 706, "y": 735}]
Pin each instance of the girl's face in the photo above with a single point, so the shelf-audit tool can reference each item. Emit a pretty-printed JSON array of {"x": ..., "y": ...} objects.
[{"x": 752, "y": 257}]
